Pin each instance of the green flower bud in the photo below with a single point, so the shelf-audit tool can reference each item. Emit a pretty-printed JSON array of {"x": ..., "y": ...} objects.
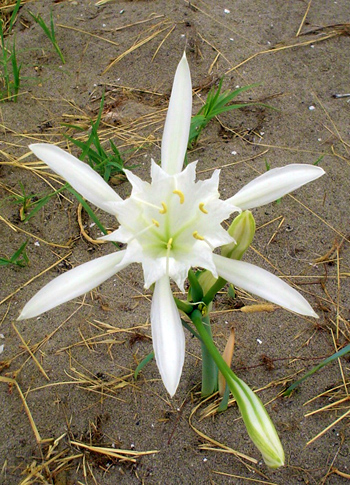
[
  {"x": 242, "y": 230},
  {"x": 206, "y": 280},
  {"x": 258, "y": 423}
]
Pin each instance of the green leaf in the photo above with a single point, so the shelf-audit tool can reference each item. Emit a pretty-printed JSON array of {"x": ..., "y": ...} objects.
[
  {"x": 142, "y": 364},
  {"x": 88, "y": 209},
  {"x": 14, "y": 15},
  {"x": 327, "y": 361},
  {"x": 224, "y": 402},
  {"x": 15, "y": 257}
]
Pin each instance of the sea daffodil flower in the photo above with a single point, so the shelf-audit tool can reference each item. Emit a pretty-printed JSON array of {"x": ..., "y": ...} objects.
[{"x": 170, "y": 225}]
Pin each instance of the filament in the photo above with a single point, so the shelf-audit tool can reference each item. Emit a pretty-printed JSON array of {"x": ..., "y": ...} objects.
[
  {"x": 152, "y": 205},
  {"x": 201, "y": 238},
  {"x": 154, "y": 223}
]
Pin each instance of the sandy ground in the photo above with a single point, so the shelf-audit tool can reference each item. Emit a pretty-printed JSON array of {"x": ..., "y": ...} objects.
[{"x": 66, "y": 377}]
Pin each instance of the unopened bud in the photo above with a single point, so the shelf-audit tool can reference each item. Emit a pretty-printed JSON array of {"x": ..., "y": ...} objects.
[
  {"x": 242, "y": 230},
  {"x": 258, "y": 423}
]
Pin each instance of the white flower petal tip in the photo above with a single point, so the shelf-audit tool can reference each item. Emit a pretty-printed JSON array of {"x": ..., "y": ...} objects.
[
  {"x": 262, "y": 283},
  {"x": 274, "y": 184},
  {"x": 178, "y": 120},
  {"x": 167, "y": 335},
  {"x": 72, "y": 284},
  {"x": 79, "y": 175}
]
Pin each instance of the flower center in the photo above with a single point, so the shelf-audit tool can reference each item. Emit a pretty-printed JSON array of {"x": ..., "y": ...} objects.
[{"x": 171, "y": 224}]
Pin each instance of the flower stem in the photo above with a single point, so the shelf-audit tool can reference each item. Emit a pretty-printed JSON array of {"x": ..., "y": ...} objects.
[
  {"x": 258, "y": 423},
  {"x": 209, "y": 368},
  {"x": 206, "y": 338}
]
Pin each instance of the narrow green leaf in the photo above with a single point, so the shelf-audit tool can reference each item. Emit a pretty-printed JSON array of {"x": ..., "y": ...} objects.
[
  {"x": 14, "y": 15},
  {"x": 224, "y": 402},
  {"x": 19, "y": 251},
  {"x": 142, "y": 364},
  {"x": 88, "y": 209},
  {"x": 330, "y": 359}
]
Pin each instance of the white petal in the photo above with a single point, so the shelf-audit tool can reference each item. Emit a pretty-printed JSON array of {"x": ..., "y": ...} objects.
[
  {"x": 138, "y": 185},
  {"x": 157, "y": 173},
  {"x": 73, "y": 283},
  {"x": 178, "y": 120},
  {"x": 262, "y": 283},
  {"x": 186, "y": 178},
  {"x": 79, "y": 175},
  {"x": 167, "y": 335},
  {"x": 114, "y": 236},
  {"x": 275, "y": 184},
  {"x": 153, "y": 269}
]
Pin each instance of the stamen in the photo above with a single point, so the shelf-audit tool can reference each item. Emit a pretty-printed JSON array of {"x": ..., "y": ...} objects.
[
  {"x": 180, "y": 194},
  {"x": 201, "y": 208},
  {"x": 201, "y": 238},
  {"x": 169, "y": 243},
  {"x": 164, "y": 209},
  {"x": 197, "y": 236},
  {"x": 150, "y": 204},
  {"x": 145, "y": 229}
]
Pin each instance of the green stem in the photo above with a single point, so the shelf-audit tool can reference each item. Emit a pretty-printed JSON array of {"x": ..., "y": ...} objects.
[
  {"x": 207, "y": 341},
  {"x": 209, "y": 368},
  {"x": 258, "y": 423}
]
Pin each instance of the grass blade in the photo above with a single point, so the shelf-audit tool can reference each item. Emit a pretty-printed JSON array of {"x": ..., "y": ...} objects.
[
  {"x": 142, "y": 364},
  {"x": 330, "y": 359}
]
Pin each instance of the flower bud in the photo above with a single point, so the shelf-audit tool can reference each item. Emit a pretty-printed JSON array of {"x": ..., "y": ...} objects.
[
  {"x": 242, "y": 230},
  {"x": 258, "y": 423}
]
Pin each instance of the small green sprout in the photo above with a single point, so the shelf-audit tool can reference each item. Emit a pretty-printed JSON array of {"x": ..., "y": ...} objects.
[
  {"x": 19, "y": 258},
  {"x": 49, "y": 32},
  {"x": 10, "y": 82},
  {"x": 107, "y": 164},
  {"x": 32, "y": 203},
  {"x": 216, "y": 103}
]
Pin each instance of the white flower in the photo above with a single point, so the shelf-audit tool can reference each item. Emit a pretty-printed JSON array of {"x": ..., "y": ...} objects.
[{"x": 170, "y": 225}]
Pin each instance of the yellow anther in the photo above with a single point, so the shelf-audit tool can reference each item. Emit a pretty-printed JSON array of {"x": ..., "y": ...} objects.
[
  {"x": 180, "y": 194},
  {"x": 170, "y": 242},
  {"x": 164, "y": 210},
  {"x": 197, "y": 236},
  {"x": 156, "y": 223},
  {"x": 201, "y": 208}
]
